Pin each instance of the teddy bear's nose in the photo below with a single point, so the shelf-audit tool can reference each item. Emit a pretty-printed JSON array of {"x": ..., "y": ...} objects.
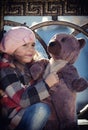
[{"x": 51, "y": 44}]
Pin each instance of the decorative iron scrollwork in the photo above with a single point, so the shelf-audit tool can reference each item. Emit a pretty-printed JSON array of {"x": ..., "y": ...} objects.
[{"x": 44, "y": 8}]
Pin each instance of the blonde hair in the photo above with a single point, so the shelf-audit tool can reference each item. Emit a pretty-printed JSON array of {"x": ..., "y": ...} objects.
[{"x": 37, "y": 56}]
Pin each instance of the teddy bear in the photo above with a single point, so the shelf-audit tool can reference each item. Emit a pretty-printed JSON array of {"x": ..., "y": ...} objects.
[{"x": 64, "y": 50}]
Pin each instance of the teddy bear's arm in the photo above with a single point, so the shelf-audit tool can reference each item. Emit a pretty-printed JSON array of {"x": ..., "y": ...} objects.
[
  {"x": 37, "y": 69},
  {"x": 80, "y": 84},
  {"x": 72, "y": 78}
]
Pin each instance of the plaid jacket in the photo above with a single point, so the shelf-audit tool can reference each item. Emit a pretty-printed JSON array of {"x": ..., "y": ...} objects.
[{"x": 17, "y": 93}]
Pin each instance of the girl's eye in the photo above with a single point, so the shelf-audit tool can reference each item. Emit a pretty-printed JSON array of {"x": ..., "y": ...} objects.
[
  {"x": 29, "y": 44},
  {"x": 25, "y": 45},
  {"x": 33, "y": 44}
]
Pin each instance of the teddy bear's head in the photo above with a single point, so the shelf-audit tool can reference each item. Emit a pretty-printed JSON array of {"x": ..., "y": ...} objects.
[{"x": 65, "y": 47}]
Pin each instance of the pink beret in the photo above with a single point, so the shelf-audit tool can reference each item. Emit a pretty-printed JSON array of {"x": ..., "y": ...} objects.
[{"x": 16, "y": 37}]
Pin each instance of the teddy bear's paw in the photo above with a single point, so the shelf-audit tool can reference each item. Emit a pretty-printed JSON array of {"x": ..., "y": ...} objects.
[{"x": 80, "y": 84}]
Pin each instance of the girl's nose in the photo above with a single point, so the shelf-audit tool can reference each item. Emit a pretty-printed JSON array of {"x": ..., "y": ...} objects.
[{"x": 31, "y": 48}]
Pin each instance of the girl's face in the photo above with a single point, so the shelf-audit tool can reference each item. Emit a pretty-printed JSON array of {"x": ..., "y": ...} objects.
[{"x": 25, "y": 53}]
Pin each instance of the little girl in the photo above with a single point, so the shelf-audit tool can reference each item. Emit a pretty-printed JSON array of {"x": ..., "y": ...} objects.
[{"x": 21, "y": 102}]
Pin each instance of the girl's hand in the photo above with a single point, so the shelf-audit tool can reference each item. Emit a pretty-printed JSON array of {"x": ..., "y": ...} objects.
[{"x": 52, "y": 79}]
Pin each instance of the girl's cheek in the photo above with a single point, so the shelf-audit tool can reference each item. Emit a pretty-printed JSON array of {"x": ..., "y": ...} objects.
[{"x": 34, "y": 52}]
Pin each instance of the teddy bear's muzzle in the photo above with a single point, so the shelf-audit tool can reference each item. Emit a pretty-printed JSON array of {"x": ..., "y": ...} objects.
[
  {"x": 54, "y": 48},
  {"x": 51, "y": 44}
]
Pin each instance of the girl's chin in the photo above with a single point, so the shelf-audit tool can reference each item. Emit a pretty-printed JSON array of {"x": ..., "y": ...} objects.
[{"x": 27, "y": 61}]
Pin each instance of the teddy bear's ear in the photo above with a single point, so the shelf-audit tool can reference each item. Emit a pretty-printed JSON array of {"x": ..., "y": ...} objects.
[{"x": 82, "y": 42}]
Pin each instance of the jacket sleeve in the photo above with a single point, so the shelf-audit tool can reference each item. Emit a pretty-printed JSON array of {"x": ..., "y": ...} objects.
[{"x": 19, "y": 93}]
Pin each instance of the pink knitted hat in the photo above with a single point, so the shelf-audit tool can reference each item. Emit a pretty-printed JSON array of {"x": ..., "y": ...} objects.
[{"x": 16, "y": 37}]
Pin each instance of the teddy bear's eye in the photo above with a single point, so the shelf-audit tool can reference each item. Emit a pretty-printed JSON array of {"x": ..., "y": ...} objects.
[{"x": 63, "y": 39}]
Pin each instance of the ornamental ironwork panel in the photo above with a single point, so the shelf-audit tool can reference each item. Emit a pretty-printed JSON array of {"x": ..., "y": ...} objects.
[
  {"x": 44, "y": 7},
  {"x": 52, "y": 8}
]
